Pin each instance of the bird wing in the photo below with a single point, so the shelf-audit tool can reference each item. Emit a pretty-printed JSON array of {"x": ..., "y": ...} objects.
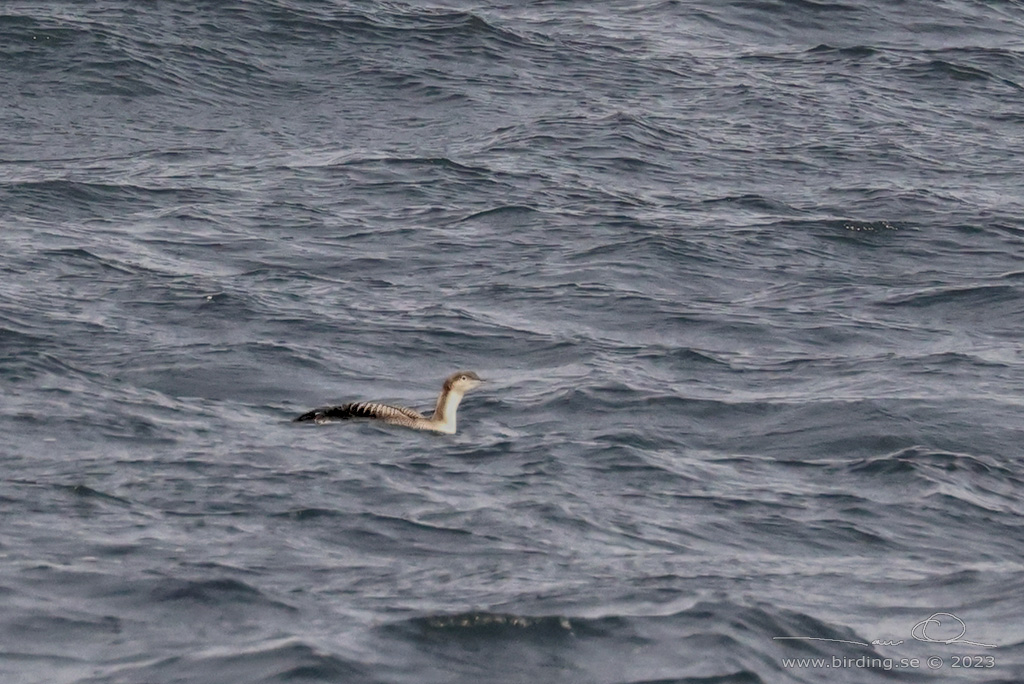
[{"x": 364, "y": 409}]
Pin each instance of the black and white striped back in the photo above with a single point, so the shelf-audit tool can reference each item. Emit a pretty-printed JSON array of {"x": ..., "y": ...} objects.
[{"x": 398, "y": 415}]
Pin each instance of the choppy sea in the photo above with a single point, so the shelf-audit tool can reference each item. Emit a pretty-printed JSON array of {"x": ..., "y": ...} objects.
[{"x": 746, "y": 279}]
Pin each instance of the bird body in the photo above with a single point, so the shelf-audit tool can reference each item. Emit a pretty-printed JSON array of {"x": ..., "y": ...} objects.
[{"x": 442, "y": 420}]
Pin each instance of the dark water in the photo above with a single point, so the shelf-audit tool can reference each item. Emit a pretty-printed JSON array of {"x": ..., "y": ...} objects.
[{"x": 746, "y": 278}]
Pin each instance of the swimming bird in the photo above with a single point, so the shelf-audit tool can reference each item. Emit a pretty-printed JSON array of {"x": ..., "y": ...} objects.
[{"x": 443, "y": 420}]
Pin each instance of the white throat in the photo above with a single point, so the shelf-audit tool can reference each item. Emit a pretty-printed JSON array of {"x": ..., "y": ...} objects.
[{"x": 447, "y": 407}]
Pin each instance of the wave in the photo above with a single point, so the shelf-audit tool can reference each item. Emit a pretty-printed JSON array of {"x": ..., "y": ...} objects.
[
  {"x": 754, "y": 636},
  {"x": 273, "y": 661}
]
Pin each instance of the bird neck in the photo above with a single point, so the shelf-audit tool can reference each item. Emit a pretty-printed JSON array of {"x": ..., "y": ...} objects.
[{"x": 447, "y": 405}]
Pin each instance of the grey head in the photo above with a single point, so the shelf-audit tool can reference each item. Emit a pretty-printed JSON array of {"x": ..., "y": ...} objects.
[{"x": 462, "y": 381}]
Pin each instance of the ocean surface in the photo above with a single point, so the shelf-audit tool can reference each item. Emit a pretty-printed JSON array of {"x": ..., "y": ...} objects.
[{"x": 746, "y": 278}]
